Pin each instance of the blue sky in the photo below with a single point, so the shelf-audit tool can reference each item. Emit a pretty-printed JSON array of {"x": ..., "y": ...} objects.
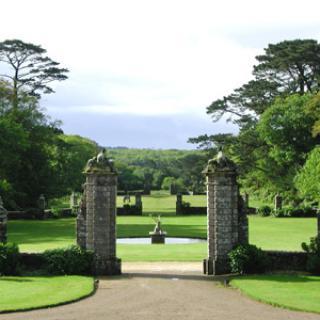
[{"x": 143, "y": 72}]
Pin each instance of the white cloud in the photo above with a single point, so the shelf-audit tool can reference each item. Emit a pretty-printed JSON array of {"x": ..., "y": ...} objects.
[{"x": 150, "y": 57}]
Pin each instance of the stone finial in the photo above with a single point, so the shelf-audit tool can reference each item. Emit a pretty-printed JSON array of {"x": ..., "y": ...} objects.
[
  {"x": 100, "y": 164},
  {"x": 220, "y": 163}
]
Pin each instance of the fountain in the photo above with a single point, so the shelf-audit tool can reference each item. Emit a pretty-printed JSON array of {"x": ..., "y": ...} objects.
[{"x": 157, "y": 235}]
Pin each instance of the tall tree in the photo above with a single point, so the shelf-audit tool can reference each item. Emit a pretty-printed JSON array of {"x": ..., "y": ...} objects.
[
  {"x": 32, "y": 70},
  {"x": 307, "y": 181},
  {"x": 285, "y": 68},
  {"x": 294, "y": 65}
]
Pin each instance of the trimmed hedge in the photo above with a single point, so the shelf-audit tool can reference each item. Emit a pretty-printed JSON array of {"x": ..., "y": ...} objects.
[{"x": 68, "y": 261}]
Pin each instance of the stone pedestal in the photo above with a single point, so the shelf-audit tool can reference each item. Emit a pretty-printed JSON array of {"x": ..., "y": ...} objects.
[
  {"x": 42, "y": 202},
  {"x": 226, "y": 227},
  {"x": 101, "y": 193},
  {"x": 138, "y": 201},
  {"x": 246, "y": 200},
  {"x": 3, "y": 223},
  {"x": 179, "y": 204},
  {"x": 277, "y": 202}
]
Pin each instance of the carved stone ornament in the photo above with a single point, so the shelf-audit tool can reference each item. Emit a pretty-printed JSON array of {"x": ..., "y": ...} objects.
[
  {"x": 220, "y": 163},
  {"x": 100, "y": 164}
]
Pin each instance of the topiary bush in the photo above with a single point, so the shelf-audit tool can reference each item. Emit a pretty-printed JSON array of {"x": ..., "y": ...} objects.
[
  {"x": 313, "y": 251},
  {"x": 264, "y": 211},
  {"x": 68, "y": 261},
  {"x": 246, "y": 259},
  {"x": 9, "y": 259}
]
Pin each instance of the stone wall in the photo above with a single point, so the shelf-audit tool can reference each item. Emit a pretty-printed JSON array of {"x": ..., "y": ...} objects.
[{"x": 287, "y": 261}]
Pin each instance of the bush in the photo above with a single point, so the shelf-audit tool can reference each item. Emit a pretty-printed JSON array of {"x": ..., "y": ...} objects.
[
  {"x": 246, "y": 259},
  {"x": 9, "y": 259},
  {"x": 68, "y": 261},
  {"x": 313, "y": 251},
  {"x": 264, "y": 211},
  {"x": 186, "y": 204}
]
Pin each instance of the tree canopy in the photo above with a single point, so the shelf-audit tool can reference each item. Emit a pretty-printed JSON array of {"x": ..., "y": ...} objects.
[{"x": 278, "y": 114}]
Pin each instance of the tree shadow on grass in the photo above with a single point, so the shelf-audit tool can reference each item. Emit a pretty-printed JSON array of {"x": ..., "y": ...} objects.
[{"x": 16, "y": 279}]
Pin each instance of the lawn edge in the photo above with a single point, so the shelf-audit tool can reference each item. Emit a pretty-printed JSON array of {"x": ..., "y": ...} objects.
[
  {"x": 274, "y": 304},
  {"x": 95, "y": 285}
]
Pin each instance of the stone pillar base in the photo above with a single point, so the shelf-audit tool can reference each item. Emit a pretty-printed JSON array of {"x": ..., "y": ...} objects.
[
  {"x": 215, "y": 267},
  {"x": 107, "y": 267}
]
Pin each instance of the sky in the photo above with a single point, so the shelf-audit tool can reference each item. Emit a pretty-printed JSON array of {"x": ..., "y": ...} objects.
[{"x": 143, "y": 72}]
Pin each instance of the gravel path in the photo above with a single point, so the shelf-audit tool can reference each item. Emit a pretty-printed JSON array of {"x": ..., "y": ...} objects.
[{"x": 154, "y": 291}]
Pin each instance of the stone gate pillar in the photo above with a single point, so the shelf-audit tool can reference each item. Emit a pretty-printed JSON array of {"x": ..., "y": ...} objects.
[
  {"x": 227, "y": 226},
  {"x": 101, "y": 193},
  {"x": 3, "y": 222}
]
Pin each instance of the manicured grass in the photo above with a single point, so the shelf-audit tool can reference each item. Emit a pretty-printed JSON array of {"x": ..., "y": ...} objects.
[
  {"x": 298, "y": 292},
  {"x": 36, "y": 236},
  {"x": 22, "y": 293},
  {"x": 281, "y": 233},
  {"x": 267, "y": 233},
  {"x": 162, "y": 252}
]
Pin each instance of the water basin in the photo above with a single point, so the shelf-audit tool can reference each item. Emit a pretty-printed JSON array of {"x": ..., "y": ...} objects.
[{"x": 169, "y": 240}]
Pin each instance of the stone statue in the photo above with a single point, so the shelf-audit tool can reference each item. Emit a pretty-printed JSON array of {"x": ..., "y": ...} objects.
[
  {"x": 221, "y": 163},
  {"x": 100, "y": 163}
]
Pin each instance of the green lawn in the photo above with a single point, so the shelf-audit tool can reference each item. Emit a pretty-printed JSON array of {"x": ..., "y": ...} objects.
[
  {"x": 267, "y": 233},
  {"x": 22, "y": 293},
  {"x": 165, "y": 204},
  {"x": 296, "y": 292}
]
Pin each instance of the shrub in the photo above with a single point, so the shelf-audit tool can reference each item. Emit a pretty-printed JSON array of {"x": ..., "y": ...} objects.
[
  {"x": 71, "y": 260},
  {"x": 9, "y": 259},
  {"x": 186, "y": 204},
  {"x": 279, "y": 213},
  {"x": 313, "y": 251},
  {"x": 264, "y": 211},
  {"x": 245, "y": 259}
]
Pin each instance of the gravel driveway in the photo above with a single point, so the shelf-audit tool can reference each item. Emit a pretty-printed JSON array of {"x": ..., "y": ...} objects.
[{"x": 154, "y": 291}]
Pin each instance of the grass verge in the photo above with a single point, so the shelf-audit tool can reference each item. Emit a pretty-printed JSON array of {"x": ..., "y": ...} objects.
[
  {"x": 27, "y": 293},
  {"x": 295, "y": 292}
]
